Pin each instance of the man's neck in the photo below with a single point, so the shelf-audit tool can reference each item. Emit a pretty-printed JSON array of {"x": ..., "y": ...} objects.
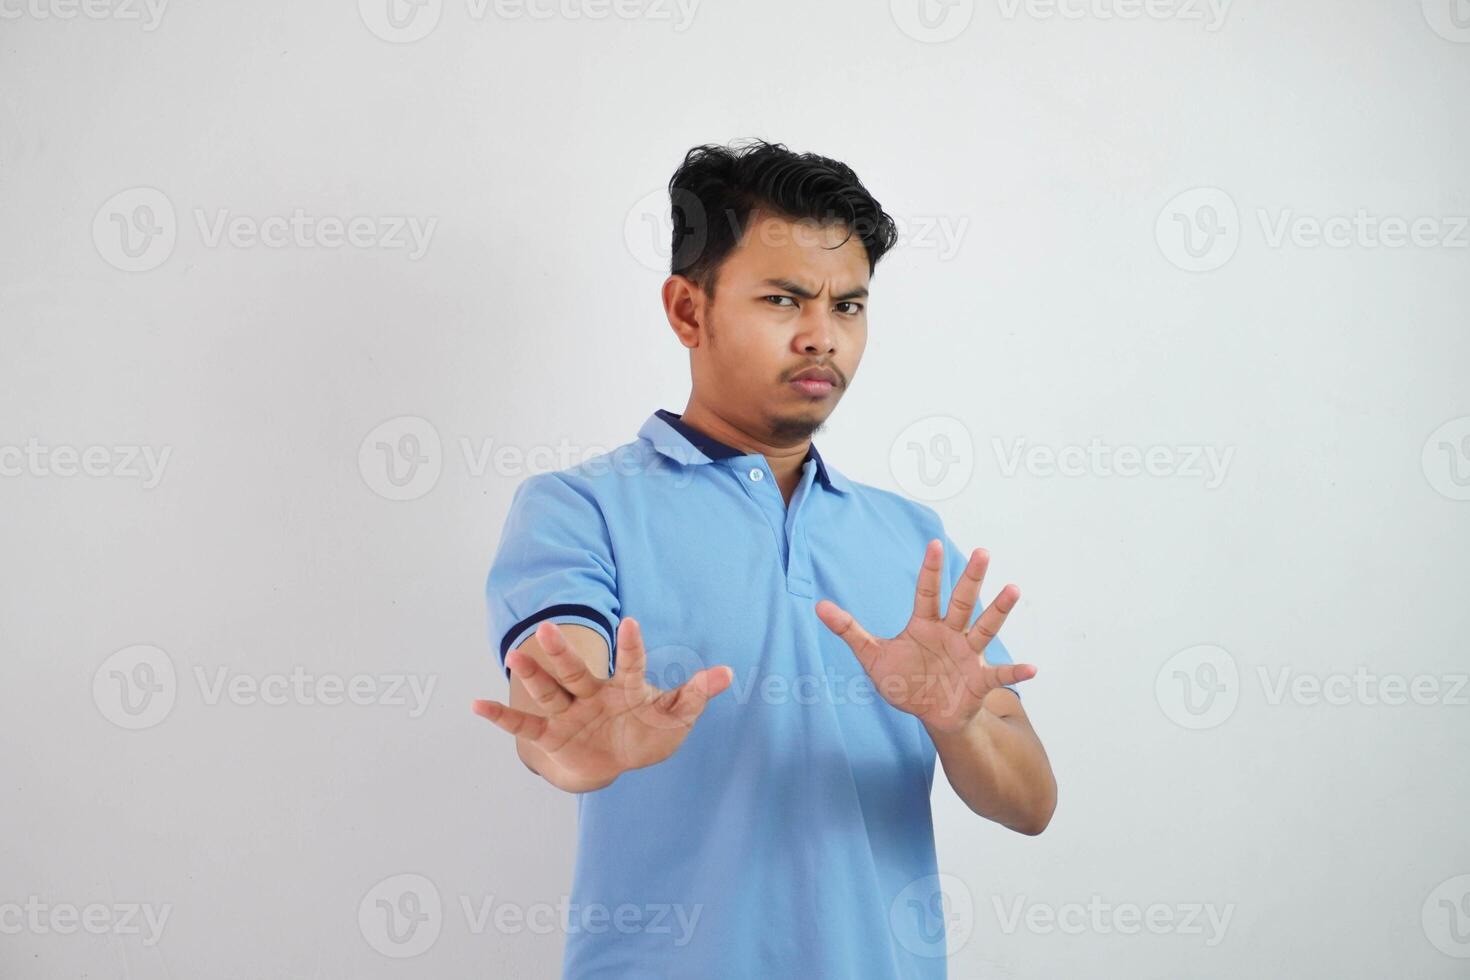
[{"x": 785, "y": 461}]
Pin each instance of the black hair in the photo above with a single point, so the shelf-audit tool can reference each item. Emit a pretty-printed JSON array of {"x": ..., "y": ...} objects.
[{"x": 716, "y": 188}]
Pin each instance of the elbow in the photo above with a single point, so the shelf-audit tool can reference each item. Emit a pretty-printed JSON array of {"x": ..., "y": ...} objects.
[
  {"x": 1033, "y": 827},
  {"x": 1039, "y": 816}
]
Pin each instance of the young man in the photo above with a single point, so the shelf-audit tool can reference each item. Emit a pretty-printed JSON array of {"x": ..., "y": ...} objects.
[{"x": 781, "y": 829}]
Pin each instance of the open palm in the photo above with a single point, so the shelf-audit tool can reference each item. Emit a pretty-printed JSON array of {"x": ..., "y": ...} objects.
[
  {"x": 592, "y": 728},
  {"x": 936, "y": 668}
]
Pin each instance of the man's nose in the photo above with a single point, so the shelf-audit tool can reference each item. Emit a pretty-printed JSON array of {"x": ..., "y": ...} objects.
[{"x": 818, "y": 333}]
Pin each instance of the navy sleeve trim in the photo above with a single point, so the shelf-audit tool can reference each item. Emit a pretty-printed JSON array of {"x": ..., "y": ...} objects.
[{"x": 561, "y": 609}]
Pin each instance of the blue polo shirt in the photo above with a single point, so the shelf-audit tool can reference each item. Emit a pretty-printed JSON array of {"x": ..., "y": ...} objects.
[{"x": 790, "y": 835}]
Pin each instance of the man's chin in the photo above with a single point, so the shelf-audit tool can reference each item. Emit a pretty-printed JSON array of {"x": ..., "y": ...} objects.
[{"x": 799, "y": 425}]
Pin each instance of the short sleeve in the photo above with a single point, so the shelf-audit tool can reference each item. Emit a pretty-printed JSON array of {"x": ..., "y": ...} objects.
[
  {"x": 954, "y": 566},
  {"x": 554, "y": 562}
]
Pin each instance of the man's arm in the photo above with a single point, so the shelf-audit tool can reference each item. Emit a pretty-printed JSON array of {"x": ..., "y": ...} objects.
[
  {"x": 580, "y": 729},
  {"x": 592, "y": 648},
  {"x": 936, "y": 669},
  {"x": 997, "y": 765}
]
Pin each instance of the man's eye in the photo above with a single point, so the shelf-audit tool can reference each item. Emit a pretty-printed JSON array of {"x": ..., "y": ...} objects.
[
  {"x": 856, "y": 307},
  {"x": 779, "y": 297}
]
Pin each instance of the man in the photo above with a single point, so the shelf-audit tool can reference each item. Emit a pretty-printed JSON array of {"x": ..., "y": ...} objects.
[{"x": 782, "y": 829}]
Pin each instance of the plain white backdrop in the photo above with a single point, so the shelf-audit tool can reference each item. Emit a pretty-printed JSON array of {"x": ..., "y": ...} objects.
[{"x": 294, "y": 295}]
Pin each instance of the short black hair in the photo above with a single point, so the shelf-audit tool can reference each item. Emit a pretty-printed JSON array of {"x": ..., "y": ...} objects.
[{"x": 715, "y": 189}]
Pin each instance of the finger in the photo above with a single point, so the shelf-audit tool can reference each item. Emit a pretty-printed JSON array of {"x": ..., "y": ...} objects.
[
  {"x": 1001, "y": 675},
  {"x": 632, "y": 658},
  {"x": 542, "y": 687},
  {"x": 508, "y": 719},
  {"x": 563, "y": 663},
  {"x": 845, "y": 625},
  {"x": 926, "y": 592},
  {"x": 687, "y": 701},
  {"x": 967, "y": 591},
  {"x": 992, "y": 618}
]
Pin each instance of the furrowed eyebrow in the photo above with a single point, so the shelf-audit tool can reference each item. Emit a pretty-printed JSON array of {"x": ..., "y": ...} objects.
[{"x": 860, "y": 292}]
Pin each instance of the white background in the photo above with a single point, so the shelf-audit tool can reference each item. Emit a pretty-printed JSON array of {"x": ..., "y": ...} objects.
[{"x": 1052, "y": 143}]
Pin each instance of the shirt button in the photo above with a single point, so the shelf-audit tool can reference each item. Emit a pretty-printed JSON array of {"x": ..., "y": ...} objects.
[{"x": 757, "y": 474}]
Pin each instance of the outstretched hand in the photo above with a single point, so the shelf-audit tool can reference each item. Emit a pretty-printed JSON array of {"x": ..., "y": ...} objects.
[
  {"x": 936, "y": 668},
  {"x": 594, "y": 729}
]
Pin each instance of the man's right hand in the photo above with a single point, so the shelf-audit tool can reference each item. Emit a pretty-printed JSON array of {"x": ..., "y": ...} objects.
[{"x": 594, "y": 729}]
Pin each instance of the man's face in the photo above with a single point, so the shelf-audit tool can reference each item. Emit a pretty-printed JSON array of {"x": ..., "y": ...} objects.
[{"x": 787, "y": 299}]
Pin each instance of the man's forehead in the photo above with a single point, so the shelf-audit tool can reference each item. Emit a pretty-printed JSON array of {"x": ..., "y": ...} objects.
[
  {"x": 802, "y": 257},
  {"x": 778, "y": 231}
]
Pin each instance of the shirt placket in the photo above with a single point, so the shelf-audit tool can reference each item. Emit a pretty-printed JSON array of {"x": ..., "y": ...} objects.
[{"x": 784, "y": 521}]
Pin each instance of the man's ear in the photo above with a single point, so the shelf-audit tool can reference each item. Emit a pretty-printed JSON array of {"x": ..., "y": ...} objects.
[{"x": 686, "y": 307}]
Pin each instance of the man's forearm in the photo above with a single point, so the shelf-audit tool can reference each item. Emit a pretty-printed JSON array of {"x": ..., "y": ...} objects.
[
  {"x": 592, "y": 648},
  {"x": 997, "y": 765}
]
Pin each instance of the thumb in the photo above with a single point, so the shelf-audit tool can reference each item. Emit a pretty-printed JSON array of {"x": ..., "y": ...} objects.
[
  {"x": 846, "y": 626},
  {"x": 687, "y": 701}
]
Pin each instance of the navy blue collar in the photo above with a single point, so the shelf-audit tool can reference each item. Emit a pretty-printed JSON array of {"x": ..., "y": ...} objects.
[{"x": 715, "y": 449}]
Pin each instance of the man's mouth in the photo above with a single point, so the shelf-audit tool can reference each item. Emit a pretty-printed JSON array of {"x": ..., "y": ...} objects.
[{"x": 813, "y": 387}]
